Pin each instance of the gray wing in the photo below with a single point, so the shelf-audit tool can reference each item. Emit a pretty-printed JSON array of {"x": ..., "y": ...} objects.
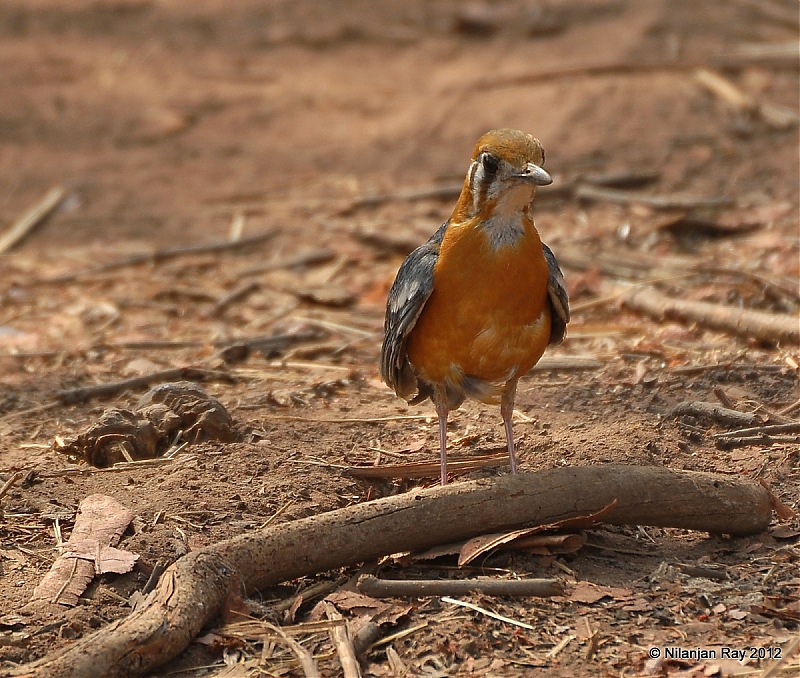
[
  {"x": 557, "y": 297},
  {"x": 411, "y": 289}
]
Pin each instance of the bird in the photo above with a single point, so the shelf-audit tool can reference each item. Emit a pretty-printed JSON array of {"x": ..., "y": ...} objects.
[{"x": 474, "y": 308}]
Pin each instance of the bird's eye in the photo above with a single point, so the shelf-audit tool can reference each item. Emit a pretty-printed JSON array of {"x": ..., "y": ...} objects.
[
  {"x": 490, "y": 164},
  {"x": 542, "y": 157}
]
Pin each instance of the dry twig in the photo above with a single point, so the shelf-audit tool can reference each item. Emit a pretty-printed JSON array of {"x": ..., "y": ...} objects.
[
  {"x": 162, "y": 255},
  {"x": 341, "y": 640},
  {"x": 742, "y": 322},
  {"x": 10, "y": 483},
  {"x": 388, "y": 588},
  {"x": 794, "y": 427},
  {"x": 715, "y": 413},
  {"x": 758, "y": 435},
  {"x": 778, "y": 117},
  {"x": 780, "y": 54},
  {"x": 234, "y": 296},
  {"x": 308, "y": 258},
  {"x": 660, "y": 202},
  {"x": 35, "y": 216},
  {"x": 774, "y": 667},
  {"x": 307, "y": 662},
  {"x": 427, "y": 469},
  {"x": 488, "y": 613},
  {"x": 112, "y": 388}
]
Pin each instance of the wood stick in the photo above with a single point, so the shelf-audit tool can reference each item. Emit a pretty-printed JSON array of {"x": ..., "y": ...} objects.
[
  {"x": 307, "y": 662},
  {"x": 488, "y": 613},
  {"x": 426, "y": 469},
  {"x": 716, "y": 413},
  {"x": 341, "y": 641},
  {"x": 567, "y": 363},
  {"x": 790, "y": 408},
  {"x": 35, "y": 216},
  {"x": 719, "y": 392},
  {"x": 792, "y": 427},
  {"x": 397, "y": 588},
  {"x": 747, "y": 323},
  {"x": 785, "y": 54},
  {"x": 725, "y": 90},
  {"x": 4, "y": 490},
  {"x": 778, "y": 117},
  {"x": 746, "y": 441},
  {"x": 162, "y": 255},
  {"x": 758, "y": 435},
  {"x": 193, "y": 590},
  {"x": 774, "y": 667},
  {"x": 309, "y": 258},
  {"x": 660, "y": 202},
  {"x": 84, "y": 393},
  {"x": 232, "y": 297},
  {"x": 317, "y": 590}
]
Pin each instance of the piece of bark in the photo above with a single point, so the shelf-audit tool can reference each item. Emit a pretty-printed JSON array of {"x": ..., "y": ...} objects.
[
  {"x": 772, "y": 327},
  {"x": 193, "y": 590},
  {"x": 88, "y": 552}
]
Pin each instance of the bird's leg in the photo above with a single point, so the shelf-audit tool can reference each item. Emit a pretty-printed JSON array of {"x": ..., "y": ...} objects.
[
  {"x": 507, "y": 411},
  {"x": 440, "y": 401}
]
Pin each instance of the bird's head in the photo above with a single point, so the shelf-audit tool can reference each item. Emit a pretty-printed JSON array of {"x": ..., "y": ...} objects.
[{"x": 505, "y": 171}]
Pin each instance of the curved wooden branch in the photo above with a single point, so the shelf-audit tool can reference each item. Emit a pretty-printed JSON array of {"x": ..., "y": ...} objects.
[{"x": 193, "y": 590}]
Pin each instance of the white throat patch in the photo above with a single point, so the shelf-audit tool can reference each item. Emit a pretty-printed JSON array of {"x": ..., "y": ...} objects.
[
  {"x": 504, "y": 231},
  {"x": 506, "y": 227}
]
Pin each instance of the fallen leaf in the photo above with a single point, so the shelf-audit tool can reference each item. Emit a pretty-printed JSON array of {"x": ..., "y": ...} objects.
[
  {"x": 638, "y": 605},
  {"x": 586, "y": 592},
  {"x": 485, "y": 543},
  {"x": 783, "y": 511},
  {"x": 784, "y": 532},
  {"x": 357, "y": 603}
]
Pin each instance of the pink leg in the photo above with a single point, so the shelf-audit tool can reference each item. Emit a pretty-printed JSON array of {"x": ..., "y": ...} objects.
[
  {"x": 442, "y": 411},
  {"x": 507, "y": 411}
]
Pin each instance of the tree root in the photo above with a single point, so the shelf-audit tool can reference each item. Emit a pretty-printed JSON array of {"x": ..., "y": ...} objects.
[{"x": 194, "y": 589}]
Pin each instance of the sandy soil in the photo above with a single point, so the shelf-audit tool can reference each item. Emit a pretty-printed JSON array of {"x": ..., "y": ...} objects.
[{"x": 173, "y": 124}]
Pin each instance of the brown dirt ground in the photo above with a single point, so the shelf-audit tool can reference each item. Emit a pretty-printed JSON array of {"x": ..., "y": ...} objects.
[{"x": 166, "y": 122}]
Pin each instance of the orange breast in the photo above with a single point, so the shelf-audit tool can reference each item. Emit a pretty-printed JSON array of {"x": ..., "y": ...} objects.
[{"x": 488, "y": 315}]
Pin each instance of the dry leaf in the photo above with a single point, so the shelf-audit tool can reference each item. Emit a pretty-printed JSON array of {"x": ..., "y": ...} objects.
[
  {"x": 357, "y": 603},
  {"x": 480, "y": 545},
  {"x": 586, "y": 592},
  {"x": 784, "y": 532},
  {"x": 781, "y": 510}
]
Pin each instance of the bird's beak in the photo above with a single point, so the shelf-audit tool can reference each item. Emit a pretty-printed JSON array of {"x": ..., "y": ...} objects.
[{"x": 536, "y": 175}]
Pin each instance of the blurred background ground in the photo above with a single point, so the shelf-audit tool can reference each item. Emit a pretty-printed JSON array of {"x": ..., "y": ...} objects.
[{"x": 347, "y": 128}]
